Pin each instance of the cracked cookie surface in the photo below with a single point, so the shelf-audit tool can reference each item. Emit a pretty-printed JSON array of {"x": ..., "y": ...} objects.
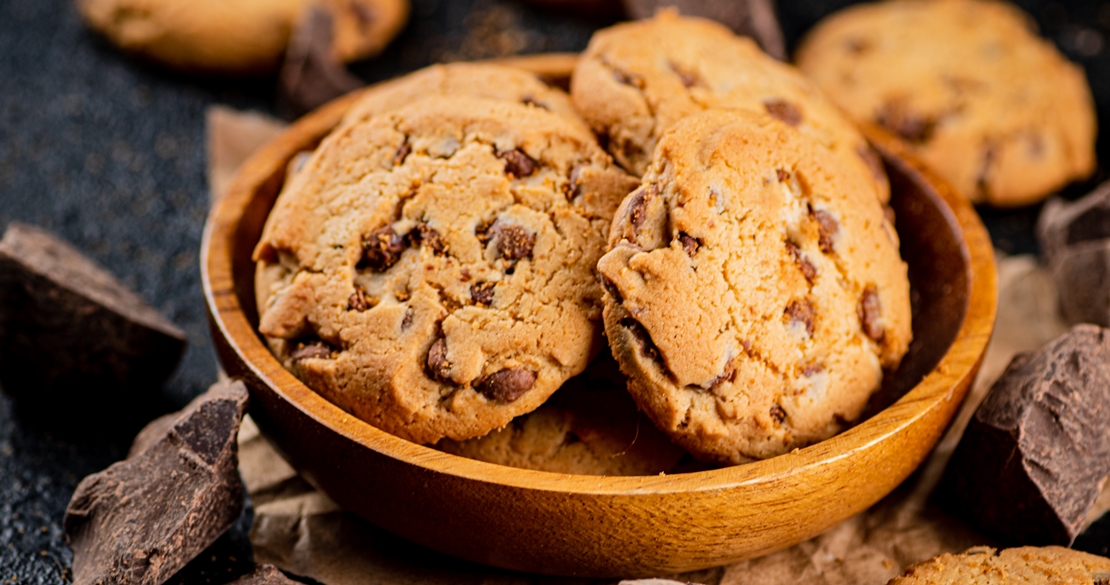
[
  {"x": 430, "y": 270},
  {"x": 591, "y": 426},
  {"x": 995, "y": 109},
  {"x": 635, "y": 80},
  {"x": 753, "y": 289},
  {"x": 1050, "y": 565}
]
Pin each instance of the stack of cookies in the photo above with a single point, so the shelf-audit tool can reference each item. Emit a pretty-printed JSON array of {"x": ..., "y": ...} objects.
[{"x": 470, "y": 239}]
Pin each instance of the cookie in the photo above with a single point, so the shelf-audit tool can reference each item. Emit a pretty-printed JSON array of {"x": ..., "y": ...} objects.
[
  {"x": 635, "y": 80},
  {"x": 754, "y": 291},
  {"x": 995, "y": 109},
  {"x": 472, "y": 79},
  {"x": 1028, "y": 565},
  {"x": 591, "y": 426},
  {"x": 242, "y": 37},
  {"x": 430, "y": 270}
]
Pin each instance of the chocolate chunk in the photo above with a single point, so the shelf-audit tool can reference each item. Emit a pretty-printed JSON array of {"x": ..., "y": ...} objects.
[
  {"x": 482, "y": 292},
  {"x": 870, "y": 312},
  {"x": 777, "y": 413},
  {"x": 783, "y": 176},
  {"x": 310, "y": 75},
  {"x": 402, "y": 153},
  {"x": 801, "y": 312},
  {"x": 811, "y": 369},
  {"x": 1075, "y": 241},
  {"x": 517, "y": 163},
  {"x": 265, "y": 575},
  {"x": 827, "y": 228},
  {"x": 626, "y": 78},
  {"x": 406, "y": 321},
  {"x": 507, "y": 385},
  {"x": 872, "y": 160},
  {"x": 72, "y": 336},
  {"x": 438, "y": 366},
  {"x": 311, "y": 350},
  {"x": 382, "y": 249},
  {"x": 573, "y": 188},
  {"x": 784, "y": 111},
  {"x": 728, "y": 375},
  {"x": 425, "y": 235},
  {"x": 513, "y": 241},
  {"x": 912, "y": 127},
  {"x": 144, "y": 518},
  {"x": 641, "y": 335},
  {"x": 689, "y": 243},
  {"x": 750, "y": 18},
  {"x": 1037, "y": 452},
  {"x": 808, "y": 270},
  {"x": 360, "y": 301},
  {"x": 637, "y": 206},
  {"x": 611, "y": 288}
]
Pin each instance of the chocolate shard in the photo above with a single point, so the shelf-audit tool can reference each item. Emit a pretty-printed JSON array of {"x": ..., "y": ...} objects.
[
  {"x": 1037, "y": 451},
  {"x": 310, "y": 75},
  {"x": 1075, "y": 242},
  {"x": 70, "y": 333},
  {"x": 144, "y": 518},
  {"x": 751, "y": 18},
  {"x": 265, "y": 575}
]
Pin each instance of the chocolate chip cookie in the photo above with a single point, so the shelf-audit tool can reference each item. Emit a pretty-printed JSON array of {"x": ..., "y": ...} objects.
[
  {"x": 995, "y": 109},
  {"x": 635, "y": 80},
  {"x": 1050, "y": 565},
  {"x": 754, "y": 291},
  {"x": 591, "y": 426},
  {"x": 430, "y": 270}
]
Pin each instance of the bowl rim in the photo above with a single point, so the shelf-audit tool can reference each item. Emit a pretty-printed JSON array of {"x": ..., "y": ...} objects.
[{"x": 945, "y": 382}]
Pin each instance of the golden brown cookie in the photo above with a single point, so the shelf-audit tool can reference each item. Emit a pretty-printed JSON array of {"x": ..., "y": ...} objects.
[
  {"x": 635, "y": 80},
  {"x": 1028, "y": 565},
  {"x": 998, "y": 111},
  {"x": 240, "y": 37},
  {"x": 591, "y": 426},
  {"x": 754, "y": 292},
  {"x": 430, "y": 270}
]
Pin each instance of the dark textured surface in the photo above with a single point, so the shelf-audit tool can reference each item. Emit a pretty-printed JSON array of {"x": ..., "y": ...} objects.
[{"x": 109, "y": 154}]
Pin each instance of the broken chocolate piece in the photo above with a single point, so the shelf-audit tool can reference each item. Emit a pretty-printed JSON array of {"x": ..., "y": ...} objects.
[
  {"x": 827, "y": 229},
  {"x": 689, "y": 243},
  {"x": 438, "y": 366},
  {"x": 1037, "y": 451},
  {"x": 482, "y": 293},
  {"x": 144, "y": 518},
  {"x": 751, "y": 18},
  {"x": 514, "y": 242},
  {"x": 382, "y": 249},
  {"x": 784, "y": 111},
  {"x": 777, "y": 413},
  {"x": 870, "y": 312},
  {"x": 425, "y": 235},
  {"x": 265, "y": 575},
  {"x": 517, "y": 163},
  {"x": 637, "y": 206},
  {"x": 402, "y": 153},
  {"x": 809, "y": 271},
  {"x": 801, "y": 312},
  {"x": 70, "y": 334},
  {"x": 310, "y": 75},
  {"x": 507, "y": 385},
  {"x": 1075, "y": 241},
  {"x": 640, "y": 333},
  {"x": 313, "y": 350}
]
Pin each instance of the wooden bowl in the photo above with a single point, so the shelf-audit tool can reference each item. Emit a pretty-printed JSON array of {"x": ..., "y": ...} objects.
[{"x": 614, "y": 526}]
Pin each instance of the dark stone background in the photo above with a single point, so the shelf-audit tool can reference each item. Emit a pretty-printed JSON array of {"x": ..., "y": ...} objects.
[{"x": 109, "y": 153}]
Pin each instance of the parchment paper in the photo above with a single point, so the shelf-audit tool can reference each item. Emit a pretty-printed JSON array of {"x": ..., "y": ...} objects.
[{"x": 303, "y": 532}]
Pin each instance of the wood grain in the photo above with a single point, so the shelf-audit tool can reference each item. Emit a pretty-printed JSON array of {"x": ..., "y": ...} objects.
[{"x": 609, "y": 526}]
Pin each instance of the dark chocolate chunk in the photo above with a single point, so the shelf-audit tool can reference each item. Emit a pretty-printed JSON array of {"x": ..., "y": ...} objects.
[
  {"x": 777, "y": 413},
  {"x": 812, "y": 369},
  {"x": 689, "y": 243},
  {"x": 809, "y": 271},
  {"x": 438, "y": 366},
  {"x": 360, "y": 301},
  {"x": 144, "y": 518},
  {"x": 1074, "y": 240},
  {"x": 870, "y": 312},
  {"x": 382, "y": 249},
  {"x": 402, "y": 153},
  {"x": 784, "y": 111},
  {"x": 312, "y": 350},
  {"x": 425, "y": 235},
  {"x": 517, "y": 163},
  {"x": 1037, "y": 452},
  {"x": 782, "y": 175},
  {"x": 801, "y": 312},
  {"x": 265, "y": 575},
  {"x": 70, "y": 334},
  {"x": 750, "y": 18},
  {"x": 482, "y": 292},
  {"x": 310, "y": 75},
  {"x": 910, "y": 126},
  {"x": 611, "y": 288},
  {"x": 637, "y": 205},
  {"x": 641, "y": 335},
  {"x": 513, "y": 241},
  {"x": 827, "y": 228},
  {"x": 728, "y": 375},
  {"x": 507, "y": 385}
]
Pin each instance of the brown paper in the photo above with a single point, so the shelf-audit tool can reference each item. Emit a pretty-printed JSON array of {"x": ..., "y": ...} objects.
[{"x": 303, "y": 532}]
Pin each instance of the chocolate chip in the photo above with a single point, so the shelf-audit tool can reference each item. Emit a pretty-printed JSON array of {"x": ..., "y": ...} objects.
[
  {"x": 777, "y": 413},
  {"x": 572, "y": 188},
  {"x": 626, "y": 78},
  {"x": 688, "y": 79},
  {"x": 482, "y": 231},
  {"x": 827, "y": 228},
  {"x": 425, "y": 235},
  {"x": 808, "y": 269},
  {"x": 438, "y": 366},
  {"x": 689, "y": 243},
  {"x": 464, "y": 275},
  {"x": 514, "y": 242},
  {"x": 869, "y": 312},
  {"x": 784, "y": 111},
  {"x": 382, "y": 249},
  {"x": 802, "y": 312},
  {"x": 482, "y": 293},
  {"x": 402, "y": 153},
  {"x": 729, "y": 375},
  {"x": 507, "y": 385},
  {"x": 311, "y": 350},
  {"x": 872, "y": 160},
  {"x": 360, "y": 301},
  {"x": 517, "y": 163},
  {"x": 647, "y": 346},
  {"x": 530, "y": 100},
  {"x": 612, "y": 289},
  {"x": 782, "y": 175},
  {"x": 637, "y": 207},
  {"x": 406, "y": 321},
  {"x": 402, "y": 294},
  {"x": 912, "y": 127},
  {"x": 812, "y": 369}
]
